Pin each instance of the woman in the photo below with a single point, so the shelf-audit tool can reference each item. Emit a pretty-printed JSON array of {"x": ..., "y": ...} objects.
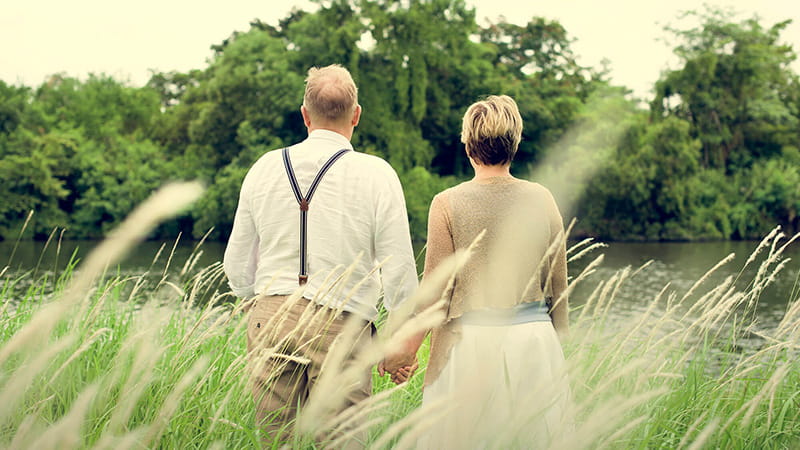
[{"x": 497, "y": 361}]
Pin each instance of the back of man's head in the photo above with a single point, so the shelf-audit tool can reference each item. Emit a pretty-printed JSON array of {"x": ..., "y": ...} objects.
[{"x": 331, "y": 95}]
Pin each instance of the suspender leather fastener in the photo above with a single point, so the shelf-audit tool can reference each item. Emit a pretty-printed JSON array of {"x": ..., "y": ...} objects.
[
  {"x": 304, "y": 205},
  {"x": 302, "y": 279}
]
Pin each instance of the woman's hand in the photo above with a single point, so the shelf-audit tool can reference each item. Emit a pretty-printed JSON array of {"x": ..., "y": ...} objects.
[
  {"x": 399, "y": 366},
  {"x": 403, "y": 374}
]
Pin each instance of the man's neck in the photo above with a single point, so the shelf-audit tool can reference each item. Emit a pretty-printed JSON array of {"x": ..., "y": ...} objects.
[{"x": 347, "y": 132}]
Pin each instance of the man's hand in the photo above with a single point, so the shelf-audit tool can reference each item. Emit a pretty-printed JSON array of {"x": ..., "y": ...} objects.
[
  {"x": 403, "y": 374},
  {"x": 402, "y": 365},
  {"x": 400, "y": 374},
  {"x": 393, "y": 362},
  {"x": 399, "y": 365}
]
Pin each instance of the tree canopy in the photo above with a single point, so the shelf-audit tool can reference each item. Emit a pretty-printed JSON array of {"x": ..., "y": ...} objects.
[{"x": 715, "y": 156}]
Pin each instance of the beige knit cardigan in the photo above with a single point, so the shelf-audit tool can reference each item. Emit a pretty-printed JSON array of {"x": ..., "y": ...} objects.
[{"x": 521, "y": 257}]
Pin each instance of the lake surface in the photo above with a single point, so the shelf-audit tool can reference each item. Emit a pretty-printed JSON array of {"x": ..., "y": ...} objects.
[{"x": 679, "y": 264}]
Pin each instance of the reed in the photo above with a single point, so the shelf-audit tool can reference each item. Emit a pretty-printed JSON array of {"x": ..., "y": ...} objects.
[{"x": 112, "y": 361}]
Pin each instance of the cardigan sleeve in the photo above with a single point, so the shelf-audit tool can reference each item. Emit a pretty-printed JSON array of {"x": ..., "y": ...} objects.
[
  {"x": 440, "y": 236},
  {"x": 558, "y": 271}
]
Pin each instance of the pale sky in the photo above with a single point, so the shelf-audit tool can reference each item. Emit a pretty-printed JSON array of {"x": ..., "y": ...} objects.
[{"x": 125, "y": 39}]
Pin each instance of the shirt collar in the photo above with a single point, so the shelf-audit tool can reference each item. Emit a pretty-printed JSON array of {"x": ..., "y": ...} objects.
[{"x": 330, "y": 136}]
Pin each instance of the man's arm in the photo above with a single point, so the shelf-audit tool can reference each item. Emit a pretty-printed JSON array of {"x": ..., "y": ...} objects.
[
  {"x": 392, "y": 241},
  {"x": 241, "y": 254},
  {"x": 439, "y": 246}
]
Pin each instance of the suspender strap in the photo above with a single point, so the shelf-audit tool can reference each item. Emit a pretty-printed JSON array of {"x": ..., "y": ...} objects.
[{"x": 304, "y": 201}]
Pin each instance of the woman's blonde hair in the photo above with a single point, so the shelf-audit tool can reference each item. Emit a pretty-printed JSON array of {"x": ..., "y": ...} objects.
[
  {"x": 331, "y": 94},
  {"x": 492, "y": 130}
]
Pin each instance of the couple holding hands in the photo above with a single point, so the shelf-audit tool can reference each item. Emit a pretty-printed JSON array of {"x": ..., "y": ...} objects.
[{"x": 340, "y": 217}]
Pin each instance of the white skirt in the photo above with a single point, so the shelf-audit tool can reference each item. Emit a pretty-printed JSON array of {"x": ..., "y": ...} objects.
[{"x": 502, "y": 387}]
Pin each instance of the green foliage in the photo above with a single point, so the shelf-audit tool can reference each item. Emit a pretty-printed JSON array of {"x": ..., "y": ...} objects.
[
  {"x": 419, "y": 187},
  {"x": 215, "y": 209},
  {"x": 248, "y": 83},
  {"x": 113, "y": 179},
  {"x": 644, "y": 193},
  {"x": 734, "y": 88},
  {"x": 33, "y": 172},
  {"x": 77, "y": 156},
  {"x": 716, "y": 156}
]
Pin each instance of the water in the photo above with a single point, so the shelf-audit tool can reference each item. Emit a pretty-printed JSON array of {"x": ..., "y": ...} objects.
[
  {"x": 679, "y": 264},
  {"x": 29, "y": 262}
]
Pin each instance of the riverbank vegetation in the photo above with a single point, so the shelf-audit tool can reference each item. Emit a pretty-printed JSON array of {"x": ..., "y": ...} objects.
[
  {"x": 713, "y": 154},
  {"x": 108, "y": 360}
]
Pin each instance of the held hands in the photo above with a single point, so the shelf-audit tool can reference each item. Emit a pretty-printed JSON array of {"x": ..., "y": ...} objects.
[{"x": 400, "y": 366}]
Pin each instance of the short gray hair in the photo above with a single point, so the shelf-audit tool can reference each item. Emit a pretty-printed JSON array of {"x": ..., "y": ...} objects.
[{"x": 331, "y": 94}]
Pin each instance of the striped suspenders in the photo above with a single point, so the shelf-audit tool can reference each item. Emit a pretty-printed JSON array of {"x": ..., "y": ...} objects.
[{"x": 304, "y": 201}]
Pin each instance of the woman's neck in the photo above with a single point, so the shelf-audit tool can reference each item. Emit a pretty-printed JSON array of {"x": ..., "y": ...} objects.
[{"x": 483, "y": 172}]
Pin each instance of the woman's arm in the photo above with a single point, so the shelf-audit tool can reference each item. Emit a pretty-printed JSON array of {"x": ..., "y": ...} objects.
[
  {"x": 440, "y": 236},
  {"x": 558, "y": 272}
]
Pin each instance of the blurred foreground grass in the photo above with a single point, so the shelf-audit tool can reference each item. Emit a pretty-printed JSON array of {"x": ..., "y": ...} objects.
[{"x": 118, "y": 361}]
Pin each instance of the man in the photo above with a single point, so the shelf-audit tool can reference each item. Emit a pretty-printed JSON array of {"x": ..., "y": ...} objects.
[{"x": 318, "y": 217}]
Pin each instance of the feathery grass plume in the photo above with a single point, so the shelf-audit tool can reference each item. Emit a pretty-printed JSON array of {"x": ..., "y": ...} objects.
[
  {"x": 690, "y": 431},
  {"x": 705, "y": 277},
  {"x": 549, "y": 257},
  {"x": 19, "y": 237},
  {"x": 336, "y": 378},
  {"x": 707, "y": 316},
  {"x": 765, "y": 242},
  {"x": 355, "y": 416},
  {"x": 27, "y": 427},
  {"x": 32, "y": 367},
  {"x": 43, "y": 322},
  {"x": 172, "y": 401},
  {"x": 668, "y": 376},
  {"x": 585, "y": 251},
  {"x": 66, "y": 432},
  {"x": 133, "y": 371},
  {"x": 82, "y": 349},
  {"x": 166, "y": 202},
  {"x": 44, "y": 250},
  {"x": 704, "y": 435},
  {"x": 415, "y": 425},
  {"x": 34, "y": 333}
]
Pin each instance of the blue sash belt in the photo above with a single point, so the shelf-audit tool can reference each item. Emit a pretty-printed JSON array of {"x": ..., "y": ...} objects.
[{"x": 521, "y": 313}]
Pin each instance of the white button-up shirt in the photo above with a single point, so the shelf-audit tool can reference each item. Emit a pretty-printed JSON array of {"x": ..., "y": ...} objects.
[{"x": 356, "y": 221}]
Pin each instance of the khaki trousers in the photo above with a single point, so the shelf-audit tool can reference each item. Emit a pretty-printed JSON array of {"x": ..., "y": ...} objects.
[{"x": 287, "y": 345}]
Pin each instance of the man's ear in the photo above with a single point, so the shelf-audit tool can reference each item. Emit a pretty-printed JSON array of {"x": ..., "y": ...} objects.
[
  {"x": 356, "y": 115},
  {"x": 306, "y": 116}
]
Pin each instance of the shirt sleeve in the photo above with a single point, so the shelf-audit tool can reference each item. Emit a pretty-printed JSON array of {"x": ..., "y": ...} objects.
[
  {"x": 241, "y": 254},
  {"x": 392, "y": 241}
]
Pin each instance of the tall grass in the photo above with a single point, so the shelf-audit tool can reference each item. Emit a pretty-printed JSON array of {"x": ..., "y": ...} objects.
[
  {"x": 115, "y": 361},
  {"x": 681, "y": 363}
]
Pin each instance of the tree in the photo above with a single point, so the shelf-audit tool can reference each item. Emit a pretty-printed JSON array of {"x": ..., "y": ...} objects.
[
  {"x": 249, "y": 82},
  {"x": 733, "y": 87},
  {"x": 644, "y": 194},
  {"x": 546, "y": 80}
]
